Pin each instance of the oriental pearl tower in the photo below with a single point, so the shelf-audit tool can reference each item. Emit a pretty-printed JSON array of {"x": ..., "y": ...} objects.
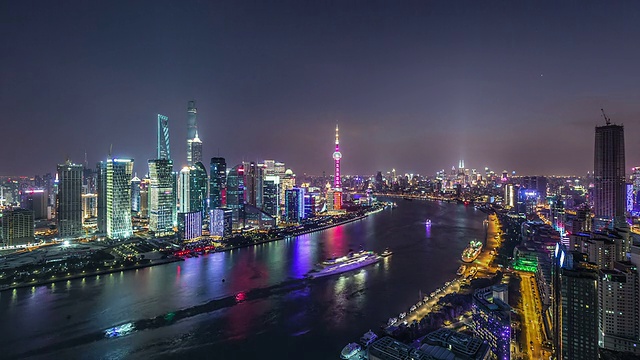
[{"x": 337, "y": 182}]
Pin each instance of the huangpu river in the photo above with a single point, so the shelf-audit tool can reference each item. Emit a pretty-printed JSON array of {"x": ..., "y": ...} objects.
[{"x": 246, "y": 303}]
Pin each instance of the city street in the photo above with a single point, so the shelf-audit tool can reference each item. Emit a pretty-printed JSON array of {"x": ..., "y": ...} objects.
[{"x": 532, "y": 325}]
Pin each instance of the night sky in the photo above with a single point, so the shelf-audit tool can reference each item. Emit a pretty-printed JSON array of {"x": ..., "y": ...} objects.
[{"x": 415, "y": 86}]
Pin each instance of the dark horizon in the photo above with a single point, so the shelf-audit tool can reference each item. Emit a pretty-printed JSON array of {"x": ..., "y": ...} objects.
[{"x": 415, "y": 86}]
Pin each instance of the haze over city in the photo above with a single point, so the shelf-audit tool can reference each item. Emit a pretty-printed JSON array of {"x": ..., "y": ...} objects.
[{"x": 509, "y": 85}]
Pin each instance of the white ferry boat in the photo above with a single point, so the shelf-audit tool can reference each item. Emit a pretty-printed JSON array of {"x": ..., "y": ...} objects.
[
  {"x": 472, "y": 251},
  {"x": 351, "y": 261}
]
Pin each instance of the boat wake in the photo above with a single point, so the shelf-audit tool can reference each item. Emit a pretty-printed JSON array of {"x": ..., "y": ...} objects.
[{"x": 129, "y": 328}]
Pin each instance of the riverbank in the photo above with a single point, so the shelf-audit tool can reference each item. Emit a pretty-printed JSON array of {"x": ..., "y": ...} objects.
[
  {"x": 92, "y": 273},
  {"x": 168, "y": 260}
]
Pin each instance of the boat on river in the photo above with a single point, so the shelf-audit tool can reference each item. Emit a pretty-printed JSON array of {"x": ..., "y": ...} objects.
[
  {"x": 350, "y": 350},
  {"x": 472, "y": 251},
  {"x": 461, "y": 269},
  {"x": 351, "y": 261}
]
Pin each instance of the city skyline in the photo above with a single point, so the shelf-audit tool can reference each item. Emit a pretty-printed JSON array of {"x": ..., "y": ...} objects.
[{"x": 489, "y": 88}]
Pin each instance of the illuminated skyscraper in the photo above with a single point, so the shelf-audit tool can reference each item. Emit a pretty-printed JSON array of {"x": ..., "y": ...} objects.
[
  {"x": 101, "y": 185},
  {"x": 119, "y": 172},
  {"x": 609, "y": 193},
  {"x": 294, "y": 205},
  {"x": 135, "y": 195},
  {"x": 183, "y": 190},
  {"x": 163, "y": 137},
  {"x": 161, "y": 197},
  {"x": 194, "y": 152},
  {"x": 194, "y": 145},
  {"x": 197, "y": 187},
  {"x": 235, "y": 194},
  {"x": 217, "y": 181},
  {"x": 337, "y": 180},
  {"x": 69, "y": 203}
]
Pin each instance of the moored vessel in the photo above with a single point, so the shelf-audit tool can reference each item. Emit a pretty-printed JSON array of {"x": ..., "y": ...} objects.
[
  {"x": 350, "y": 350},
  {"x": 472, "y": 251},
  {"x": 368, "y": 338},
  {"x": 461, "y": 269}
]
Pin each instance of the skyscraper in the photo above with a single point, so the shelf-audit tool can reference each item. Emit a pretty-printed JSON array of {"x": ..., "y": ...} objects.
[
  {"x": 337, "y": 180},
  {"x": 101, "y": 184},
  {"x": 163, "y": 137},
  {"x": 135, "y": 195},
  {"x": 294, "y": 205},
  {"x": 183, "y": 190},
  {"x": 119, "y": 172},
  {"x": 194, "y": 150},
  {"x": 235, "y": 194},
  {"x": 217, "y": 181},
  {"x": 575, "y": 313},
  {"x": 69, "y": 203},
  {"x": 197, "y": 187},
  {"x": 194, "y": 145},
  {"x": 609, "y": 193},
  {"x": 619, "y": 312},
  {"x": 271, "y": 204},
  {"x": 161, "y": 197}
]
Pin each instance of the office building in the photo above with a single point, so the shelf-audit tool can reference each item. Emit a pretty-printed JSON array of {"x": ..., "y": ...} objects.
[
  {"x": 492, "y": 319},
  {"x": 452, "y": 345},
  {"x": 294, "y": 205},
  {"x": 271, "y": 190},
  {"x": 575, "y": 305},
  {"x": 198, "y": 183},
  {"x": 510, "y": 197},
  {"x": 118, "y": 212},
  {"x": 163, "y": 152},
  {"x": 135, "y": 195},
  {"x": 250, "y": 182},
  {"x": 145, "y": 185},
  {"x": 309, "y": 205},
  {"x": 217, "y": 182},
  {"x": 287, "y": 182},
  {"x": 89, "y": 206},
  {"x": 17, "y": 227},
  {"x": 35, "y": 200},
  {"x": 183, "y": 190},
  {"x": 222, "y": 223},
  {"x": 101, "y": 185},
  {"x": 235, "y": 194},
  {"x": 189, "y": 225},
  {"x": 69, "y": 202},
  {"x": 161, "y": 197},
  {"x": 609, "y": 193},
  {"x": 619, "y": 310}
]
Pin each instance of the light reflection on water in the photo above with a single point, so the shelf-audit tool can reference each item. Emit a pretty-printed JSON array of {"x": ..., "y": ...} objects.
[{"x": 337, "y": 309}]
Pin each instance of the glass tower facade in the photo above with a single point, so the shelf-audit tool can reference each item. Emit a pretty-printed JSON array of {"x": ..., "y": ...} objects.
[
  {"x": 163, "y": 137},
  {"x": 69, "y": 202},
  {"x": 119, "y": 172},
  {"x": 217, "y": 181},
  {"x": 235, "y": 194},
  {"x": 197, "y": 187},
  {"x": 162, "y": 197}
]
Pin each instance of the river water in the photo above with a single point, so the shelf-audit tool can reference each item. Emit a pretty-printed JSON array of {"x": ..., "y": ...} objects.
[{"x": 289, "y": 318}]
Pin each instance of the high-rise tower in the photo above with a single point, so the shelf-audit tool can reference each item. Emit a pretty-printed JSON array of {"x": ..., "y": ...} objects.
[
  {"x": 337, "y": 155},
  {"x": 337, "y": 181},
  {"x": 609, "y": 165},
  {"x": 118, "y": 202},
  {"x": 194, "y": 145},
  {"x": 69, "y": 202},
  {"x": 163, "y": 137}
]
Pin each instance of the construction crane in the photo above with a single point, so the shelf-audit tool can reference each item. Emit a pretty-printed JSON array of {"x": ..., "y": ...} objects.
[{"x": 606, "y": 119}]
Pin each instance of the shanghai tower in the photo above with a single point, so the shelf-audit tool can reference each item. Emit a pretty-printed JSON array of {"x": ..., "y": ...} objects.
[
  {"x": 609, "y": 178},
  {"x": 194, "y": 144}
]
